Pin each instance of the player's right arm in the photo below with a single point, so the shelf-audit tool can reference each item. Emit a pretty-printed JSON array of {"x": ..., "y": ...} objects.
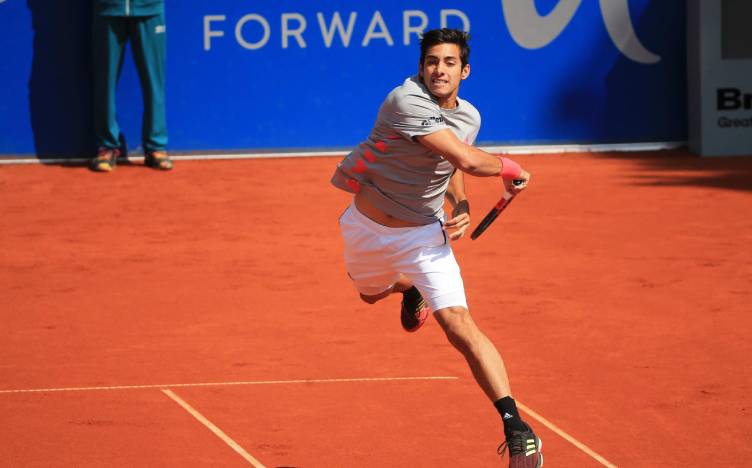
[{"x": 469, "y": 159}]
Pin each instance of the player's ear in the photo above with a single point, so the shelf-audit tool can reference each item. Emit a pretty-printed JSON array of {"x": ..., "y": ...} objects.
[
  {"x": 465, "y": 71},
  {"x": 420, "y": 70}
]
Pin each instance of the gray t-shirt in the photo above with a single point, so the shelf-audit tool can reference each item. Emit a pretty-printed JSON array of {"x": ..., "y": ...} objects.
[{"x": 396, "y": 173}]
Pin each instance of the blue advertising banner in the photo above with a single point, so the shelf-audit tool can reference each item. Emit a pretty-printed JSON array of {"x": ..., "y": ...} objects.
[{"x": 287, "y": 74}]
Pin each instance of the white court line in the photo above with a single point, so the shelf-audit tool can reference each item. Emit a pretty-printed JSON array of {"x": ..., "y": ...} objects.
[
  {"x": 225, "y": 384},
  {"x": 587, "y": 450},
  {"x": 217, "y": 431},
  {"x": 584, "y": 448}
]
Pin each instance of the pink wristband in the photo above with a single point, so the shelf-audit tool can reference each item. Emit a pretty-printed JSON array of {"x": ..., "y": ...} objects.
[{"x": 509, "y": 168}]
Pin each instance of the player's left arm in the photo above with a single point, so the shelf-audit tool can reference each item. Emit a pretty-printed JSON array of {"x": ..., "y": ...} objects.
[{"x": 456, "y": 197}]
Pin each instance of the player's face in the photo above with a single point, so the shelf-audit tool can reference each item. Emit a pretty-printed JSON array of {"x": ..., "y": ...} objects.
[{"x": 442, "y": 71}]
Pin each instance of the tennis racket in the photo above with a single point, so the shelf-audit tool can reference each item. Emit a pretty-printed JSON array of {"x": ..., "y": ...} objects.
[{"x": 505, "y": 200}]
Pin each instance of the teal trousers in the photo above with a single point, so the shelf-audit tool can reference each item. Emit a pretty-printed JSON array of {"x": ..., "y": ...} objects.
[{"x": 147, "y": 36}]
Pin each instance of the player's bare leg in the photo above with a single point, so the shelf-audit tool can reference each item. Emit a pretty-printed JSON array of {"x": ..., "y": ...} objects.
[
  {"x": 413, "y": 312},
  {"x": 481, "y": 355},
  {"x": 488, "y": 369}
]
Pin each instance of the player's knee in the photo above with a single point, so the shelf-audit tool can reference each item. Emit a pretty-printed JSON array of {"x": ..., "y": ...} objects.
[{"x": 458, "y": 326}]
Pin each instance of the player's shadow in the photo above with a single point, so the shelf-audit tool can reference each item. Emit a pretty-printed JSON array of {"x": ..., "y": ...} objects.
[
  {"x": 602, "y": 111},
  {"x": 681, "y": 168},
  {"x": 666, "y": 168},
  {"x": 60, "y": 100}
]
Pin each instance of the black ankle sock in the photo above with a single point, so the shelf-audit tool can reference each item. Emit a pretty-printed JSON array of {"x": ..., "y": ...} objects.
[
  {"x": 509, "y": 415},
  {"x": 412, "y": 294}
]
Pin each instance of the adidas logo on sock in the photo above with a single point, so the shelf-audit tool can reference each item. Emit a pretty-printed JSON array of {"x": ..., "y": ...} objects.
[{"x": 507, "y": 416}]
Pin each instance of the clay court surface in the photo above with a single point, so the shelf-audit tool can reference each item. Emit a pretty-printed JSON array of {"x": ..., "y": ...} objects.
[{"x": 618, "y": 288}]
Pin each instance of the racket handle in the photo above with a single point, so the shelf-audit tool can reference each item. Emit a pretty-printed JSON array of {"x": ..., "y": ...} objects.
[
  {"x": 503, "y": 200},
  {"x": 506, "y": 198}
]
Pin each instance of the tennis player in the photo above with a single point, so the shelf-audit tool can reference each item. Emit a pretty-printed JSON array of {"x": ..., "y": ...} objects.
[{"x": 395, "y": 234}]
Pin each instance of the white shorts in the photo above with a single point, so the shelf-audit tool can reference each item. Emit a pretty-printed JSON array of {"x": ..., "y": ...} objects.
[{"x": 376, "y": 255}]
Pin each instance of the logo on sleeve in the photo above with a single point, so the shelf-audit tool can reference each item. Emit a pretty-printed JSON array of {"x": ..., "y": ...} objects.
[{"x": 431, "y": 121}]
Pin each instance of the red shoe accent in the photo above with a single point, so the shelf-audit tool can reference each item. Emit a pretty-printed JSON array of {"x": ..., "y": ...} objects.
[{"x": 411, "y": 322}]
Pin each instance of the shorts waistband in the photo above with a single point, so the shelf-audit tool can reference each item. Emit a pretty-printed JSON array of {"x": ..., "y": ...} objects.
[{"x": 380, "y": 228}]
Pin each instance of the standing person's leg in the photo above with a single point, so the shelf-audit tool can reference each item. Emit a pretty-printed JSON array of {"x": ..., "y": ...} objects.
[
  {"x": 436, "y": 274},
  {"x": 149, "y": 43},
  {"x": 382, "y": 260},
  {"x": 462, "y": 332},
  {"x": 489, "y": 371},
  {"x": 481, "y": 355},
  {"x": 109, "y": 35}
]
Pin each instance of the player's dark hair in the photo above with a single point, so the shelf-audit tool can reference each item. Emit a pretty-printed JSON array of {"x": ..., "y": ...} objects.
[{"x": 446, "y": 36}]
